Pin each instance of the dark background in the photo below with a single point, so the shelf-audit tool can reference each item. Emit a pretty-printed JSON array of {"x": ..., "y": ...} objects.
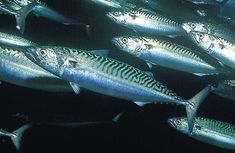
[{"x": 139, "y": 129}]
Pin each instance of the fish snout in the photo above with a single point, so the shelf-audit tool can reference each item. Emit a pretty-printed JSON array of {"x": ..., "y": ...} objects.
[
  {"x": 186, "y": 27},
  {"x": 172, "y": 123}
]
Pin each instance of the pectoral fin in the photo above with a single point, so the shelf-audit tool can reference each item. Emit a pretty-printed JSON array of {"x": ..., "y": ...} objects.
[
  {"x": 101, "y": 52},
  {"x": 75, "y": 87}
]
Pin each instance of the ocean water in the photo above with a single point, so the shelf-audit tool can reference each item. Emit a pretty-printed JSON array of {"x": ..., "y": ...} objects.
[{"x": 139, "y": 129}]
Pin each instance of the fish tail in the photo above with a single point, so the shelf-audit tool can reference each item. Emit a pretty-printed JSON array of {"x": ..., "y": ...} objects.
[
  {"x": 16, "y": 139},
  {"x": 193, "y": 105},
  {"x": 22, "y": 15}
]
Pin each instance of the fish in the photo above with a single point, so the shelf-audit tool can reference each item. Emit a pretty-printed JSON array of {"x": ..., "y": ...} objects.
[
  {"x": 114, "y": 4},
  {"x": 166, "y": 54},
  {"x": 207, "y": 130},
  {"x": 109, "y": 77},
  {"x": 147, "y": 21},
  {"x": 215, "y": 29},
  {"x": 170, "y": 7},
  {"x": 16, "y": 136},
  {"x": 17, "y": 69},
  {"x": 221, "y": 49},
  {"x": 208, "y": 2},
  {"x": 225, "y": 88},
  {"x": 14, "y": 41},
  {"x": 21, "y": 8}
]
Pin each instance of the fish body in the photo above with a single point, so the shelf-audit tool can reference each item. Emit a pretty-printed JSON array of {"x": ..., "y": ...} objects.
[
  {"x": 225, "y": 88},
  {"x": 166, "y": 54},
  {"x": 108, "y": 76},
  {"x": 208, "y": 2},
  {"x": 210, "y": 131},
  {"x": 210, "y": 28},
  {"x": 217, "y": 47},
  {"x": 14, "y": 41},
  {"x": 21, "y": 9},
  {"x": 108, "y": 3},
  {"x": 147, "y": 21},
  {"x": 16, "y": 68}
]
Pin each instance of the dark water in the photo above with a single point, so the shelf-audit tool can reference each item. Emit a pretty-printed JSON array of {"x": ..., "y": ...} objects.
[{"x": 139, "y": 129}]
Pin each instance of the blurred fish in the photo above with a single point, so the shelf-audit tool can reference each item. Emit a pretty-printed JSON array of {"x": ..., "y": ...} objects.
[
  {"x": 16, "y": 68},
  {"x": 225, "y": 88},
  {"x": 14, "y": 41},
  {"x": 176, "y": 8},
  {"x": 210, "y": 131},
  {"x": 166, "y": 54},
  {"x": 21, "y": 8},
  {"x": 108, "y": 3},
  {"x": 147, "y": 21},
  {"x": 109, "y": 77},
  {"x": 217, "y": 47},
  {"x": 16, "y": 136},
  {"x": 209, "y": 2},
  {"x": 216, "y": 29},
  {"x": 228, "y": 11}
]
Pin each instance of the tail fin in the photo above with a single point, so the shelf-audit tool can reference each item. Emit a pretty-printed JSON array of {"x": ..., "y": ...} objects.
[
  {"x": 17, "y": 135},
  {"x": 22, "y": 14},
  {"x": 193, "y": 105}
]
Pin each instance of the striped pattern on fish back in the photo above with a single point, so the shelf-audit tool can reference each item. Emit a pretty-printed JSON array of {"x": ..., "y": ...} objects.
[
  {"x": 15, "y": 56},
  {"x": 230, "y": 83},
  {"x": 119, "y": 70},
  {"x": 181, "y": 50},
  {"x": 154, "y": 16},
  {"x": 217, "y": 126}
]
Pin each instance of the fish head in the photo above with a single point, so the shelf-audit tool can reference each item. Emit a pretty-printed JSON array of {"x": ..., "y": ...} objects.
[
  {"x": 120, "y": 17},
  {"x": 132, "y": 45},
  {"x": 203, "y": 40},
  {"x": 194, "y": 26},
  {"x": 23, "y": 2},
  {"x": 179, "y": 123},
  {"x": 45, "y": 57}
]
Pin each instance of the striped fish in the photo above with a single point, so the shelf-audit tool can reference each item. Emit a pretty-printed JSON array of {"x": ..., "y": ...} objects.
[
  {"x": 147, "y": 21},
  {"x": 167, "y": 54},
  {"x": 217, "y": 47},
  {"x": 210, "y": 131},
  {"x": 16, "y": 68},
  {"x": 109, "y": 77}
]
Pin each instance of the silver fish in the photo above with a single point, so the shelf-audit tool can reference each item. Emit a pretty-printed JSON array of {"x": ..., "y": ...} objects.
[
  {"x": 14, "y": 41},
  {"x": 210, "y": 131},
  {"x": 209, "y": 2},
  {"x": 108, "y": 3},
  {"x": 225, "y": 88},
  {"x": 166, "y": 54},
  {"x": 16, "y": 68},
  {"x": 21, "y": 8},
  {"x": 210, "y": 28},
  {"x": 16, "y": 136},
  {"x": 109, "y": 77},
  {"x": 217, "y": 47},
  {"x": 147, "y": 21}
]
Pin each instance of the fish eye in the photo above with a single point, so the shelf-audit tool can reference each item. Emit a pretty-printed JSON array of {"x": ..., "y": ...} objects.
[
  {"x": 42, "y": 52},
  {"x": 201, "y": 36},
  {"x": 177, "y": 122},
  {"x": 193, "y": 25},
  {"x": 124, "y": 40},
  {"x": 116, "y": 13}
]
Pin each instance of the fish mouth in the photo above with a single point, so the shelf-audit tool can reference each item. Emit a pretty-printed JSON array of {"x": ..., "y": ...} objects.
[
  {"x": 186, "y": 27},
  {"x": 111, "y": 16},
  {"x": 171, "y": 122},
  {"x": 116, "y": 42},
  {"x": 30, "y": 53}
]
